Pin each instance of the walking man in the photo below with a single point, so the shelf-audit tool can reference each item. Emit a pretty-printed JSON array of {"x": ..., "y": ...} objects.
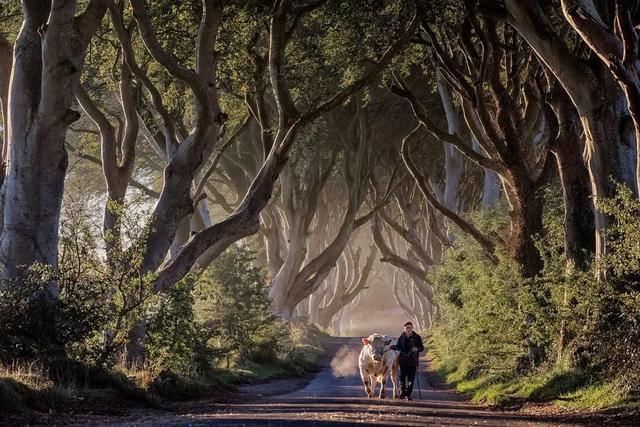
[{"x": 410, "y": 346}]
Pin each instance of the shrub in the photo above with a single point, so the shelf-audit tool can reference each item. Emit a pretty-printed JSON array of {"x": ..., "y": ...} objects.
[
  {"x": 581, "y": 327},
  {"x": 233, "y": 302}
]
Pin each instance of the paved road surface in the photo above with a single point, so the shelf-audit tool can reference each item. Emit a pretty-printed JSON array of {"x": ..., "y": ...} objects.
[{"x": 335, "y": 397}]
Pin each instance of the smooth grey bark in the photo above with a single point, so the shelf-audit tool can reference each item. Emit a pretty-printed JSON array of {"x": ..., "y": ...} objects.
[
  {"x": 391, "y": 254},
  {"x": 118, "y": 148},
  {"x": 46, "y": 67},
  {"x": 347, "y": 289},
  {"x": 488, "y": 243},
  {"x": 502, "y": 111},
  {"x": 6, "y": 62},
  {"x": 244, "y": 221},
  {"x": 592, "y": 92},
  {"x": 303, "y": 271},
  {"x": 186, "y": 157},
  {"x": 574, "y": 178},
  {"x": 617, "y": 48},
  {"x": 490, "y": 183},
  {"x": 300, "y": 199},
  {"x": 453, "y": 158}
]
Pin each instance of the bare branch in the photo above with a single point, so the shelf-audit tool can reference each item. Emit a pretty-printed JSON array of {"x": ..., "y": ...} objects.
[
  {"x": 443, "y": 135},
  {"x": 164, "y": 58},
  {"x": 124, "y": 37},
  {"x": 133, "y": 182},
  {"x": 221, "y": 150},
  {"x": 488, "y": 244}
]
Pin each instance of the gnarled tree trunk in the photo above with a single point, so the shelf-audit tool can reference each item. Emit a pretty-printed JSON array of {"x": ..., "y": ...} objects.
[
  {"x": 592, "y": 92},
  {"x": 47, "y": 64}
]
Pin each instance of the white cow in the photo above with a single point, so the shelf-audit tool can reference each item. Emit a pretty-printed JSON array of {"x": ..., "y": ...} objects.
[{"x": 376, "y": 362}]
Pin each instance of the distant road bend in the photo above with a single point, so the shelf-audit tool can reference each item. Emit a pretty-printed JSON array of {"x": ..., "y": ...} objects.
[{"x": 335, "y": 397}]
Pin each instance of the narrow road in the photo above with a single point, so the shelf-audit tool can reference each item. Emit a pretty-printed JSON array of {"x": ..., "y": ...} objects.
[{"x": 335, "y": 397}]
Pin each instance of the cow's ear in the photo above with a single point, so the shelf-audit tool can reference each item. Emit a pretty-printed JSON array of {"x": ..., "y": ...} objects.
[
  {"x": 365, "y": 341},
  {"x": 387, "y": 342}
]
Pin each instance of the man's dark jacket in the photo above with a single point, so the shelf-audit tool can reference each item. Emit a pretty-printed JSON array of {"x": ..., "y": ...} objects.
[{"x": 404, "y": 345}]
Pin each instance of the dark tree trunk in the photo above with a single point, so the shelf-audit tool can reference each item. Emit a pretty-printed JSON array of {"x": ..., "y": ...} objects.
[
  {"x": 574, "y": 178},
  {"x": 526, "y": 199}
]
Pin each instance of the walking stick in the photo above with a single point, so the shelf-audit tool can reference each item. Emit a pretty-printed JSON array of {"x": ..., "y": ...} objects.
[{"x": 418, "y": 375}]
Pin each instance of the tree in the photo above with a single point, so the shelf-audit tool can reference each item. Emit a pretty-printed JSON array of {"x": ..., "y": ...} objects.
[
  {"x": 594, "y": 94},
  {"x": 244, "y": 220},
  {"x": 616, "y": 44},
  {"x": 46, "y": 67},
  {"x": 347, "y": 285},
  {"x": 510, "y": 127},
  {"x": 299, "y": 275}
]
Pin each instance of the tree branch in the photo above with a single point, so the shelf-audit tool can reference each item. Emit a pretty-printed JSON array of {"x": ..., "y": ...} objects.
[
  {"x": 488, "y": 244},
  {"x": 133, "y": 182}
]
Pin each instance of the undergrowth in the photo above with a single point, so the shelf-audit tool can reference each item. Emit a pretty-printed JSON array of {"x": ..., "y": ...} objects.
[{"x": 53, "y": 386}]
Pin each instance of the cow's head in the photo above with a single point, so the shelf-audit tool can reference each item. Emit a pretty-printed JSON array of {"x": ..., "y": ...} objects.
[{"x": 376, "y": 345}]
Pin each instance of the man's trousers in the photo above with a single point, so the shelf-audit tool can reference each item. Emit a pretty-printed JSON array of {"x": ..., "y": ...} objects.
[{"x": 407, "y": 377}]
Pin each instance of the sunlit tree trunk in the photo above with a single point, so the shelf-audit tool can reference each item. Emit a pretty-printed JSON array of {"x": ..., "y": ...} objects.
[
  {"x": 349, "y": 288},
  {"x": 453, "y": 159},
  {"x": 175, "y": 201},
  {"x": 6, "y": 62},
  {"x": 46, "y": 68},
  {"x": 49, "y": 53},
  {"x": 593, "y": 94}
]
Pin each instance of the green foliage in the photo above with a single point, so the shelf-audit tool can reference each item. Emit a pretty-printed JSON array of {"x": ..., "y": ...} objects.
[
  {"x": 96, "y": 304},
  {"x": 615, "y": 319},
  {"x": 489, "y": 315},
  {"x": 235, "y": 302},
  {"x": 175, "y": 340},
  {"x": 219, "y": 320},
  {"x": 596, "y": 396},
  {"x": 580, "y": 329},
  {"x": 544, "y": 385}
]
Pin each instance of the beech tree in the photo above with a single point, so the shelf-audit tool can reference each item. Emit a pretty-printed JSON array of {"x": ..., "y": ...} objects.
[
  {"x": 186, "y": 150},
  {"x": 244, "y": 220},
  {"x": 597, "y": 98},
  {"x": 411, "y": 301},
  {"x": 506, "y": 118},
  {"x": 616, "y": 44},
  {"x": 298, "y": 277},
  {"x": 6, "y": 49},
  {"x": 351, "y": 279},
  {"x": 48, "y": 56},
  {"x": 410, "y": 239}
]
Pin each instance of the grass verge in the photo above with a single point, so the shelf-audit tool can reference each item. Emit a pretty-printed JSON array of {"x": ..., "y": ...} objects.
[
  {"x": 61, "y": 384},
  {"x": 571, "y": 389}
]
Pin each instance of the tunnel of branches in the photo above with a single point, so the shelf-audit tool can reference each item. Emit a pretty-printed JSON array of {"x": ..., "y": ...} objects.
[{"x": 365, "y": 154}]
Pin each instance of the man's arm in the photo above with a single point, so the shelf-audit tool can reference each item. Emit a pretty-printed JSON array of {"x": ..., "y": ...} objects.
[
  {"x": 398, "y": 346},
  {"x": 419, "y": 345}
]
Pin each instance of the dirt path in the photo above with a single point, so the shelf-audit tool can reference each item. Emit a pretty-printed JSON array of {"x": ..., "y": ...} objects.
[{"x": 334, "y": 397}]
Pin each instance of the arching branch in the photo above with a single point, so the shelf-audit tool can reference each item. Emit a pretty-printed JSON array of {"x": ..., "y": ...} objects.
[{"x": 487, "y": 243}]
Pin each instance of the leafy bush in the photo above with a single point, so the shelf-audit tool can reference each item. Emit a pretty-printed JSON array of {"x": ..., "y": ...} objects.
[
  {"x": 234, "y": 305},
  {"x": 175, "y": 340},
  {"x": 85, "y": 306},
  {"x": 615, "y": 324},
  {"x": 582, "y": 327},
  {"x": 489, "y": 316},
  {"x": 223, "y": 318},
  {"x": 219, "y": 318}
]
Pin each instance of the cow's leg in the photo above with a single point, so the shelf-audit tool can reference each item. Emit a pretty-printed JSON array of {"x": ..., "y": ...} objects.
[
  {"x": 394, "y": 381},
  {"x": 383, "y": 384},
  {"x": 366, "y": 380},
  {"x": 372, "y": 381}
]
